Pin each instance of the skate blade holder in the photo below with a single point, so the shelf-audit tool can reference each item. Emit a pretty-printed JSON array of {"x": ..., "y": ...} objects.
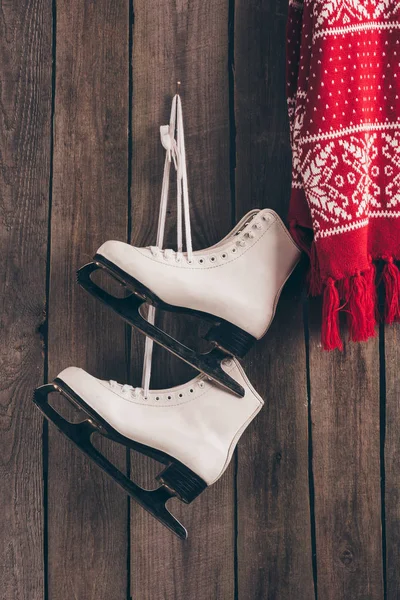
[
  {"x": 176, "y": 479},
  {"x": 228, "y": 339}
]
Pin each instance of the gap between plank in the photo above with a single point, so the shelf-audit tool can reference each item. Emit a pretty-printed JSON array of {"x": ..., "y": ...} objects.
[
  {"x": 232, "y": 119},
  {"x": 128, "y": 332},
  {"x": 382, "y": 438},
  {"x": 45, "y": 431},
  {"x": 310, "y": 448},
  {"x": 232, "y": 185}
]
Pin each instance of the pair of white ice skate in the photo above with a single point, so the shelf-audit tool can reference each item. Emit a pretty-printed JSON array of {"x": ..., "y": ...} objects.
[{"x": 193, "y": 428}]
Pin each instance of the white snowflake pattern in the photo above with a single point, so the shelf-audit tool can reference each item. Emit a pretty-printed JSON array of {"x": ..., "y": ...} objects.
[
  {"x": 297, "y": 120},
  {"x": 327, "y": 203},
  {"x": 383, "y": 8},
  {"x": 334, "y": 11},
  {"x": 350, "y": 179},
  {"x": 359, "y": 155},
  {"x": 391, "y": 151}
]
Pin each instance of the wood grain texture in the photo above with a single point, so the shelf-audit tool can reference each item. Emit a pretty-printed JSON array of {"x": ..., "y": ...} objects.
[
  {"x": 25, "y": 115},
  {"x": 274, "y": 532},
  {"x": 346, "y": 465},
  {"x": 390, "y": 435},
  {"x": 87, "y": 512},
  {"x": 252, "y": 534},
  {"x": 185, "y": 41}
]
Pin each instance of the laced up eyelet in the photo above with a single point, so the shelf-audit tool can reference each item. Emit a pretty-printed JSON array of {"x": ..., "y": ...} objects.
[
  {"x": 258, "y": 226},
  {"x": 155, "y": 250},
  {"x": 125, "y": 389},
  {"x": 169, "y": 254},
  {"x": 201, "y": 384},
  {"x": 266, "y": 218},
  {"x": 242, "y": 243}
]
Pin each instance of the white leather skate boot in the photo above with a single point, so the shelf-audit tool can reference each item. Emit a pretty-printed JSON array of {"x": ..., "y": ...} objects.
[
  {"x": 192, "y": 428},
  {"x": 234, "y": 284}
]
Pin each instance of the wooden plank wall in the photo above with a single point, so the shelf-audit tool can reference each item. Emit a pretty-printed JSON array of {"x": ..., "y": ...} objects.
[
  {"x": 174, "y": 42},
  {"x": 309, "y": 507},
  {"x": 272, "y": 460},
  {"x": 25, "y": 158},
  {"x": 89, "y": 202}
]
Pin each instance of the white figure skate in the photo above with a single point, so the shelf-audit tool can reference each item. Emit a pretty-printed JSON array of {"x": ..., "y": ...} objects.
[
  {"x": 192, "y": 428},
  {"x": 235, "y": 285}
]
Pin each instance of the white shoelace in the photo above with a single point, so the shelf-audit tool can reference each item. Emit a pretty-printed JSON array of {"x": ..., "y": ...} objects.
[
  {"x": 125, "y": 387},
  {"x": 175, "y": 151}
]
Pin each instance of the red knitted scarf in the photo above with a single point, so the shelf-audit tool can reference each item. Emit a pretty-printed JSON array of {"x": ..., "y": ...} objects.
[{"x": 343, "y": 90}]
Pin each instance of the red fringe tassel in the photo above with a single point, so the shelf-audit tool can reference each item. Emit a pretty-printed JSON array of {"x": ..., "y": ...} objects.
[
  {"x": 391, "y": 282},
  {"x": 360, "y": 307},
  {"x": 372, "y": 286},
  {"x": 359, "y": 300},
  {"x": 358, "y": 294},
  {"x": 330, "y": 317}
]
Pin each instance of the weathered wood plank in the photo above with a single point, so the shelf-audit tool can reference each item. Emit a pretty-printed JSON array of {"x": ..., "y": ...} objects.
[
  {"x": 184, "y": 41},
  {"x": 392, "y": 462},
  {"x": 25, "y": 116},
  {"x": 87, "y": 512},
  {"x": 274, "y": 532},
  {"x": 346, "y": 466}
]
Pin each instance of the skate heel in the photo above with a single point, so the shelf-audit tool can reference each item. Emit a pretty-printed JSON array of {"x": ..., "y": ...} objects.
[
  {"x": 184, "y": 482},
  {"x": 230, "y": 338}
]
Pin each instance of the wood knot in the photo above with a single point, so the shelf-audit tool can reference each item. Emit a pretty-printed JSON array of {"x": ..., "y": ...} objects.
[{"x": 346, "y": 557}]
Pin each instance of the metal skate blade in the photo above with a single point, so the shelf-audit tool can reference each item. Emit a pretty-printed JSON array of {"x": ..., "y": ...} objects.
[
  {"x": 129, "y": 309},
  {"x": 80, "y": 434}
]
